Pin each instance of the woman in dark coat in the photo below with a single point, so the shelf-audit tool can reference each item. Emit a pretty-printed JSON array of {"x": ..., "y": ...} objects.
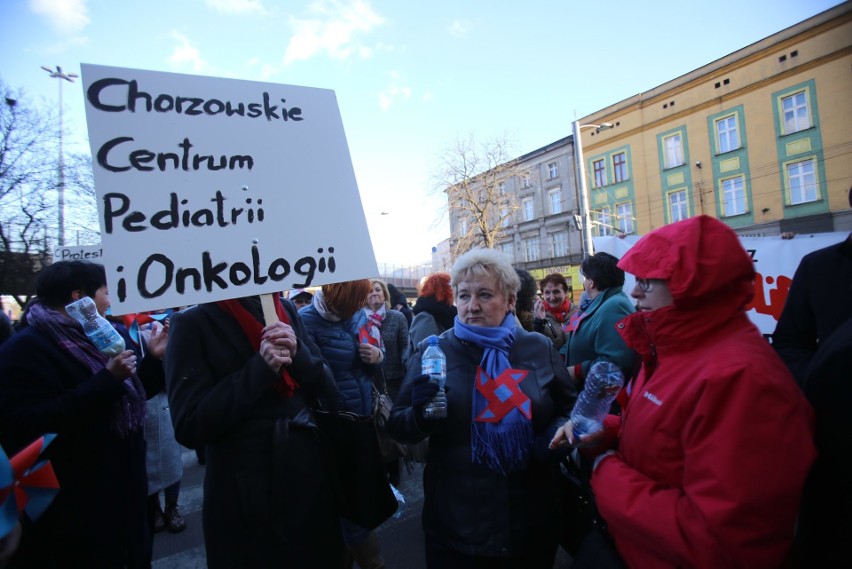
[
  {"x": 434, "y": 311},
  {"x": 53, "y": 380},
  {"x": 239, "y": 389},
  {"x": 490, "y": 494}
]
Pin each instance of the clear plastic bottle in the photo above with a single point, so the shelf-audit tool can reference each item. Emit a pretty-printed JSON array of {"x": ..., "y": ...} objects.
[
  {"x": 97, "y": 328},
  {"x": 603, "y": 383},
  {"x": 434, "y": 364},
  {"x": 400, "y": 502}
]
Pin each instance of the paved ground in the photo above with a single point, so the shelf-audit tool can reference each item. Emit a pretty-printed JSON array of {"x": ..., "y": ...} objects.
[{"x": 401, "y": 538}]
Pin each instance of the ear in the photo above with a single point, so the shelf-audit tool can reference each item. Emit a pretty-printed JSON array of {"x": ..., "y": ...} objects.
[
  {"x": 76, "y": 295},
  {"x": 512, "y": 299}
]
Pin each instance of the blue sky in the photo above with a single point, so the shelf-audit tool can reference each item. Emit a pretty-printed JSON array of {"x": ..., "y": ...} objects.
[{"x": 409, "y": 76}]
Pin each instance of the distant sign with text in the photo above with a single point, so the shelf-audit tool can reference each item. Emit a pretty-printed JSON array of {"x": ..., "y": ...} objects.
[{"x": 201, "y": 186}]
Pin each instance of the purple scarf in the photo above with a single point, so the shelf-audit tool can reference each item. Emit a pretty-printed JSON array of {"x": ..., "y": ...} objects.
[
  {"x": 503, "y": 445},
  {"x": 128, "y": 414}
]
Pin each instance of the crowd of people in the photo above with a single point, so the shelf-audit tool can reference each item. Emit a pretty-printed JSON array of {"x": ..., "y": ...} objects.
[{"x": 719, "y": 451}]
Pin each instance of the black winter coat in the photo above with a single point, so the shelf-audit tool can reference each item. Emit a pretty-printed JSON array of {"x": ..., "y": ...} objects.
[
  {"x": 267, "y": 499},
  {"x": 469, "y": 508},
  {"x": 99, "y": 517}
]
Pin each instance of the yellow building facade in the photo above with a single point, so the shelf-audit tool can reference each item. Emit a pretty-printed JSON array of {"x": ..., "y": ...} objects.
[{"x": 761, "y": 139}]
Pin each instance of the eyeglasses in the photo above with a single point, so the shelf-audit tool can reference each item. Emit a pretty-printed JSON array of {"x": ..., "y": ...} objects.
[{"x": 645, "y": 285}]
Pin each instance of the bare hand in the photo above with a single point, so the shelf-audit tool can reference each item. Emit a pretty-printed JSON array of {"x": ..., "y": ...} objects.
[
  {"x": 369, "y": 354},
  {"x": 278, "y": 345},
  {"x": 123, "y": 365},
  {"x": 565, "y": 437},
  {"x": 158, "y": 340},
  {"x": 539, "y": 310}
]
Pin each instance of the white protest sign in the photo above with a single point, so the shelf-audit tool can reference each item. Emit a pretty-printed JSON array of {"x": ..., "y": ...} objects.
[
  {"x": 92, "y": 253},
  {"x": 212, "y": 188},
  {"x": 775, "y": 263}
]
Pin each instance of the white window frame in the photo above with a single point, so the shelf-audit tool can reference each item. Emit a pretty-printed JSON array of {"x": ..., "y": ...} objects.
[
  {"x": 532, "y": 248},
  {"x": 733, "y": 191},
  {"x": 801, "y": 180},
  {"x": 505, "y": 216},
  {"x": 553, "y": 170},
  {"x": 555, "y": 199},
  {"x": 624, "y": 217},
  {"x": 678, "y": 203},
  {"x": 797, "y": 115},
  {"x": 599, "y": 183},
  {"x": 508, "y": 249},
  {"x": 673, "y": 150},
  {"x": 527, "y": 182},
  {"x": 501, "y": 187},
  {"x": 604, "y": 219},
  {"x": 559, "y": 242},
  {"x": 529, "y": 209},
  {"x": 727, "y": 134}
]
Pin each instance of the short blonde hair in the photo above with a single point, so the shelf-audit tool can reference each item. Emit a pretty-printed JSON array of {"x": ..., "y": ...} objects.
[
  {"x": 385, "y": 290},
  {"x": 486, "y": 262}
]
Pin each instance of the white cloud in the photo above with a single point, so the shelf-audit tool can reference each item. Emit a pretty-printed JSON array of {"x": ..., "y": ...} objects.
[
  {"x": 65, "y": 16},
  {"x": 186, "y": 53},
  {"x": 394, "y": 92},
  {"x": 458, "y": 28},
  {"x": 236, "y": 6},
  {"x": 333, "y": 30}
]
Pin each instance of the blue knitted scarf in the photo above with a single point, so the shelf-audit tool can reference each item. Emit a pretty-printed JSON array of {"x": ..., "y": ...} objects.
[{"x": 505, "y": 445}]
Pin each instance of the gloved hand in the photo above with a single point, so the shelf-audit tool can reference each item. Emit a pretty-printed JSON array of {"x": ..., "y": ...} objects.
[{"x": 422, "y": 391}]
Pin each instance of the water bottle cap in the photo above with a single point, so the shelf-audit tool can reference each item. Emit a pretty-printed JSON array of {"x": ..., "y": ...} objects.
[{"x": 433, "y": 340}]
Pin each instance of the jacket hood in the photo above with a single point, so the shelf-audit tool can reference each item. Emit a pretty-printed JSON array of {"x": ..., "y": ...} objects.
[{"x": 701, "y": 259}]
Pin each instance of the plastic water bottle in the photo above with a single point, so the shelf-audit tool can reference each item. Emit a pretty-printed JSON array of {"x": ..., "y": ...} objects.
[
  {"x": 602, "y": 385},
  {"x": 97, "y": 328},
  {"x": 434, "y": 364},
  {"x": 400, "y": 502}
]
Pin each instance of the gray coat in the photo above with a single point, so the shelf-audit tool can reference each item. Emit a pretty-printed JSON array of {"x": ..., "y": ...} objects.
[{"x": 163, "y": 458}]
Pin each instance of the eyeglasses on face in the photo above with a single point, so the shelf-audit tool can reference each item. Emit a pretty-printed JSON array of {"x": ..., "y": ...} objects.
[{"x": 645, "y": 285}]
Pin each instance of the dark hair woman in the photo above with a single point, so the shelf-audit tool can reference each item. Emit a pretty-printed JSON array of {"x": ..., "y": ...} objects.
[
  {"x": 54, "y": 380},
  {"x": 490, "y": 493},
  {"x": 553, "y": 314},
  {"x": 596, "y": 337}
]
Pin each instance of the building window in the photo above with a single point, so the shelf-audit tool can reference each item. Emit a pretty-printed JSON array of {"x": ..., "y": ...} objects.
[
  {"x": 796, "y": 113},
  {"x": 678, "y": 206},
  {"x": 501, "y": 187},
  {"x": 560, "y": 244},
  {"x": 619, "y": 167},
  {"x": 508, "y": 250},
  {"x": 600, "y": 173},
  {"x": 801, "y": 179},
  {"x": 624, "y": 217},
  {"x": 527, "y": 183},
  {"x": 531, "y": 249},
  {"x": 552, "y": 170},
  {"x": 555, "y": 201},
  {"x": 529, "y": 213},
  {"x": 733, "y": 196},
  {"x": 462, "y": 226},
  {"x": 727, "y": 135},
  {"x": 674, "y": 150},
  {"x": 605, "y": 222},
  {"x": 505, "y": 217}
]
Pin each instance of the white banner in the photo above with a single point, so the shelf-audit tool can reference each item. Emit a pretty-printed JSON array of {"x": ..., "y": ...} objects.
[
  {"x": 775, "y": 262},
  {"x": 212, "y": 188}
]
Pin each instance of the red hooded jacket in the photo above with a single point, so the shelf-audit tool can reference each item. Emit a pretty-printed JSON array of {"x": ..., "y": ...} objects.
[{"x": 716, "y": 440}]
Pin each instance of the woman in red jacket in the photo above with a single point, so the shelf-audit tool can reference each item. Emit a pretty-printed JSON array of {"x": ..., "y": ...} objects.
[{"x": 716, "y": 441}]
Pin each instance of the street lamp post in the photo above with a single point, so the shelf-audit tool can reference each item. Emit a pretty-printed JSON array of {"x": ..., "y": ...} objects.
[
  {"x": 59, "y": 74},
  {"x": 585, "y": 213}
]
